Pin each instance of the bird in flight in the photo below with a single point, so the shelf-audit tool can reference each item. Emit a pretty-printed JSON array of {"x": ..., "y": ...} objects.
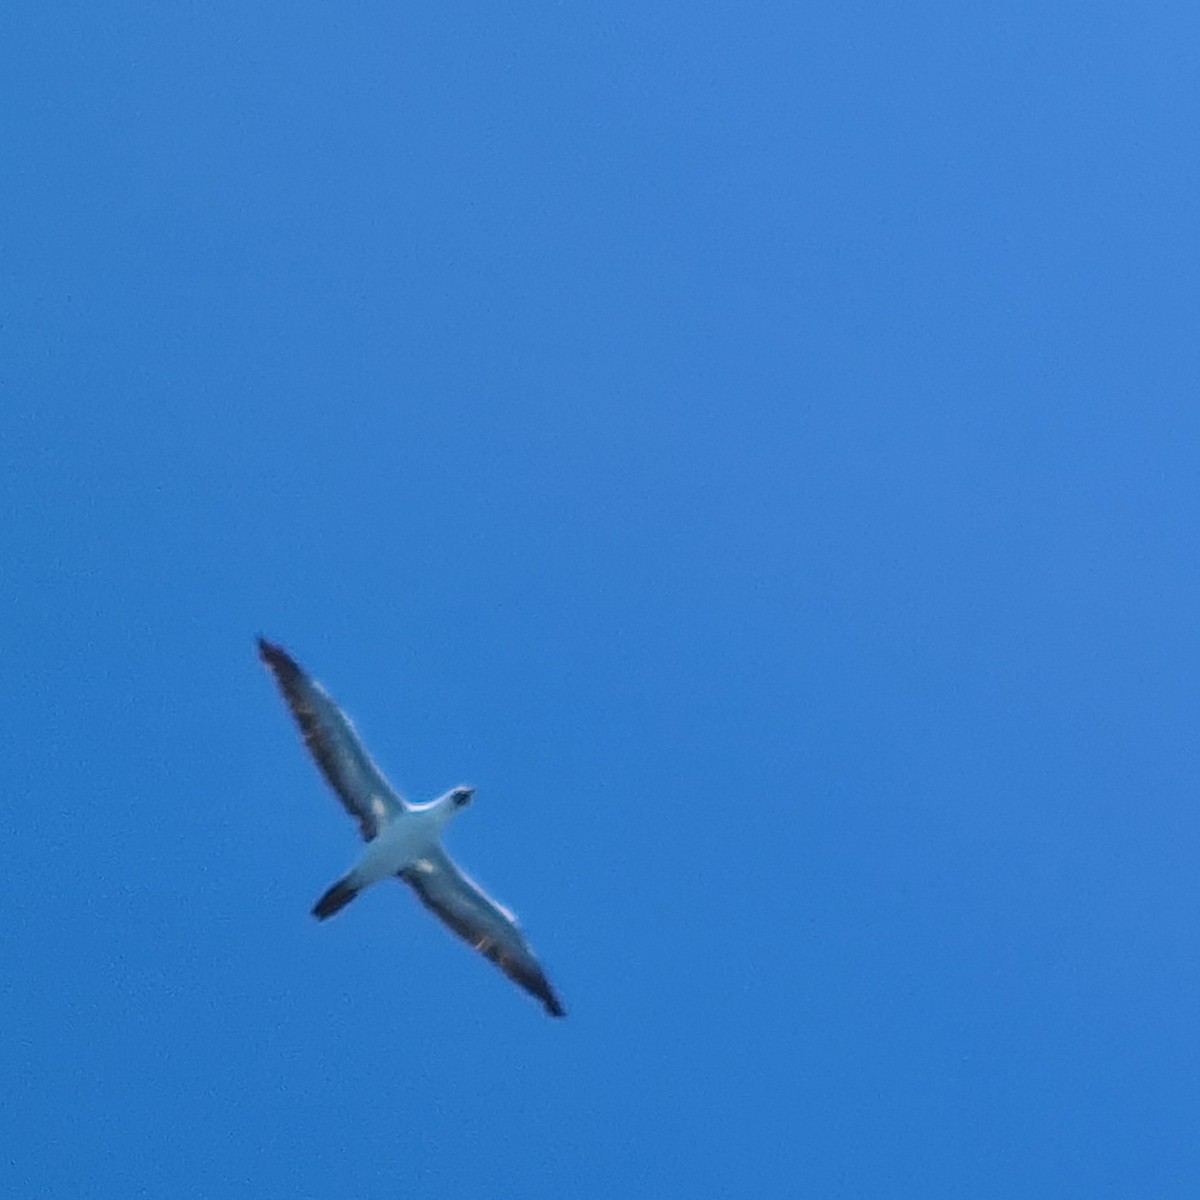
[{"x": 403, "y": 840}]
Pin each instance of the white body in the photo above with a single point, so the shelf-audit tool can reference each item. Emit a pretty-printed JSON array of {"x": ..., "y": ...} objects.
[{"x": 408, "y": 837}]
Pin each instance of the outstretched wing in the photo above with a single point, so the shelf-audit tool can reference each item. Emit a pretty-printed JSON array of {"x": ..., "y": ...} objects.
[
  {"x": 334, "y": 744},
  {"x": 464, "y": 906}
]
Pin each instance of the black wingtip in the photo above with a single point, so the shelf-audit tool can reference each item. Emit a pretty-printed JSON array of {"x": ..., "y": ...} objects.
[
  {"x": 277, "y": 658},
  {"x": 554, "y": 1005}
]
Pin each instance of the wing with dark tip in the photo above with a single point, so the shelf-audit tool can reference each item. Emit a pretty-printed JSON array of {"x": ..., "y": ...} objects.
[
  {"x": 331, "y": 739},
  {"x": 464, "y": 906}
]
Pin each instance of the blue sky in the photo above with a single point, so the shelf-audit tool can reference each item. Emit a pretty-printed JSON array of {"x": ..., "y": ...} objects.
[{"x": 755, "y": 444}]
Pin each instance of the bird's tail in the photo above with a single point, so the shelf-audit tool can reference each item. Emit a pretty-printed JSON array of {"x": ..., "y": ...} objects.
[{"x": 335, "y": 899}]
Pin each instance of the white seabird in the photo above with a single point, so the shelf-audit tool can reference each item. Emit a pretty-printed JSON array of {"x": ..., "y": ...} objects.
[{"x": 403, "y": 839}]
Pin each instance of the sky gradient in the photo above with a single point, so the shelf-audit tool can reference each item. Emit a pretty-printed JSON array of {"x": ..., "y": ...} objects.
[{"x": 756, "y": 446}]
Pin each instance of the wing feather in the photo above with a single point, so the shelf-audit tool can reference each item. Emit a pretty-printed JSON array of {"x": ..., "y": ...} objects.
[
  {"x": 334, "y": 744},
  {"x": 476, "y": 918}
]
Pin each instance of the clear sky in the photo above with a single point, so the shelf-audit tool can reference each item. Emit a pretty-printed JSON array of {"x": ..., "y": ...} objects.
[{"x": 755, "y": 444}]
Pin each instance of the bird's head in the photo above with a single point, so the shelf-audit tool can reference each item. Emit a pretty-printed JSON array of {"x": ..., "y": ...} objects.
[{"x": 462, "y": 796}]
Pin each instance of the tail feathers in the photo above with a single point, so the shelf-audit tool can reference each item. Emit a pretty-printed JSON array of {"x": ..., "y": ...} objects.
[{"x": 334, "y": 900}]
